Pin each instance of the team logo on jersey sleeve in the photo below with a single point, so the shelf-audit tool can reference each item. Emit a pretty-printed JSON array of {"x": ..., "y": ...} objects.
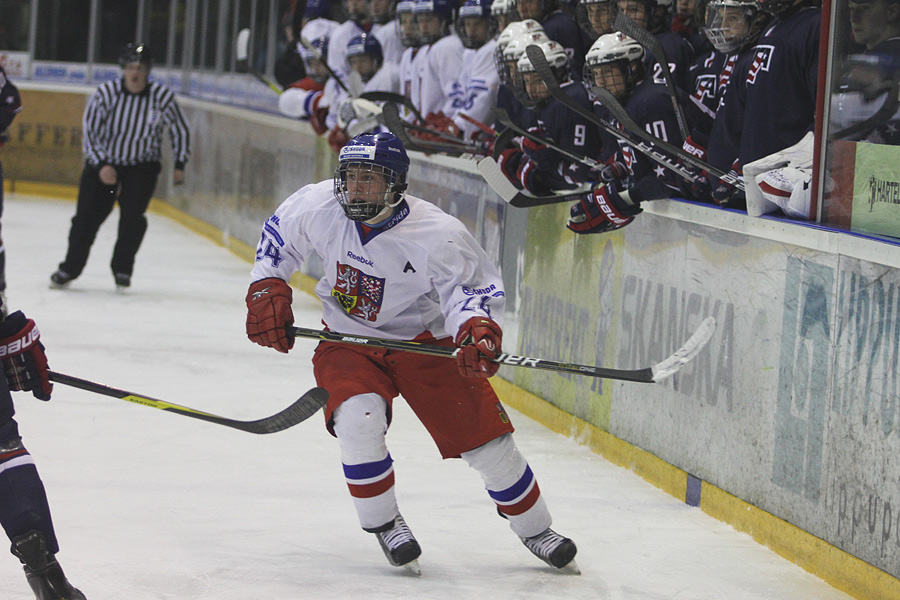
[
  {"x": 358, "y": 293},
  {"x": 760, "y": 63}
]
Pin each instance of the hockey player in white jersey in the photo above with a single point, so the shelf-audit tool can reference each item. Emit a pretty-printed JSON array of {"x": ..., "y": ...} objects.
[
  {"x": 400, "y": 268},
  {"x": 359, "y": 21},
  {"x": 478, "y": 81},
  {"x": 365, "y": 56},
  {"x": 384, "y": 27},
  {"x": 438, "y": 72},
  {"x": 413, "y": 56}
]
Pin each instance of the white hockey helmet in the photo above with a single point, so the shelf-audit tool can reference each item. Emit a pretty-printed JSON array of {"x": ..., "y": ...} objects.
[
  {"x": 619, "y": 49},
  {"x": 514, "y": 29},
  {"x": 536, "y": 95},
  {"x": 507, "y": 66},
  {"x": 316, "y": 33}
]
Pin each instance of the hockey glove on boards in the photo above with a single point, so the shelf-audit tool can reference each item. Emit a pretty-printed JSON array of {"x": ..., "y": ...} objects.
[
  {"x": 603, "y": 209},
  {"x": 23, "y": 358},
  {"x": 479, "y": 344},
  {"x": 269, "y": 313}
]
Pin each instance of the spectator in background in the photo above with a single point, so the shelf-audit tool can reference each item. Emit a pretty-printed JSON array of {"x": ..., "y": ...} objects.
[
  {"x": 124, "y": 123},
  {"x": 10, "y": 105},
  {"x": 24, "y": 510}
]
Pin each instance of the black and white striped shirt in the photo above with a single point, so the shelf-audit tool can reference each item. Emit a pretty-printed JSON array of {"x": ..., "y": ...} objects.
[{"x": 121, "y": 128}]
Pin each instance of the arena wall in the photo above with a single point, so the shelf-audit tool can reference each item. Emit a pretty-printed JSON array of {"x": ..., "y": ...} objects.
[{"x": 787, "y": 425}]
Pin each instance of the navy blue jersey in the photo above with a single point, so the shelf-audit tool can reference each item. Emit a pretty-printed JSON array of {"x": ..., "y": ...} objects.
[
  {"x": 571, "y": 132},
  {"x": 520, "y": 115},
  {"x": 10, "y": 103},
  {"x": 650, "y": 108},
  {"x": 705, "y": 91},
  {"x": 561, "y": 27},
  {"x": 680, "y": 55},
  {"x": 770, "y": 102}
]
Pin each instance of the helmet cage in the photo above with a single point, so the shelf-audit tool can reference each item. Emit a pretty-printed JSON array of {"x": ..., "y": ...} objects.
[
  {"x": 559, "y": 66},
  {"x": 583, "y": 11},
  {"x": 620, "y": 50},
  {"x": 724, "y": 37},
  {"x": 408, "y": 37},
  {"x": 370, "y": 195}
]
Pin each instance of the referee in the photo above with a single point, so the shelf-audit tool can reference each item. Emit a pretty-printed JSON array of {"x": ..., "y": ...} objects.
[{"x": 123, "y": 129}]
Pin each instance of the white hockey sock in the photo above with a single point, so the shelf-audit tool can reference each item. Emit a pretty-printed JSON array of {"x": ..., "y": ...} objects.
[
  {"x": 511, "y": 485},
  {"x": 360, "y": 423}
]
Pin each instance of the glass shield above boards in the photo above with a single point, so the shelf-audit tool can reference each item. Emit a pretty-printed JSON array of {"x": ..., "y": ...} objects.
[{"x": 860, "y": 181}]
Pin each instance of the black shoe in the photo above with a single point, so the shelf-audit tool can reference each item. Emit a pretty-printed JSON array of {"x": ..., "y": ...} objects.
[
  {"x": 123, "y": 280},
  {"x": 60, "y": 279}
]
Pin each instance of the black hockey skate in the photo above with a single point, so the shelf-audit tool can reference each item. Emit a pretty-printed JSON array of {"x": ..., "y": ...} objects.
[
  {"x": 44, "y": 575},
  {"x": 399, "y": 545},
  {"x": 554, "y": 549},
  {"x": 60, "y": 279}
]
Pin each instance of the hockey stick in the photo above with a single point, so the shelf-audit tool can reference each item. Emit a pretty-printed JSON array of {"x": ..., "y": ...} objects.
[
  {"x": 454, "y": 146},
  {"x": 315, "y": 52},
  {"x": 399, "y": 99},
  {"x": 503, "y": 117},
  {"x": 241, "y": 56},
  {"x": 299, "y": 411},
  {"x": 654, "y": 374},
  {"x": 626, "y": 25},
  {"x": 493, "y": 175},
  {"x": 634, "y": 135}
]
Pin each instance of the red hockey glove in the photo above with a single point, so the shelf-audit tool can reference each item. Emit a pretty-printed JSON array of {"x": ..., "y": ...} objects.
[
  {"x": 441, "y": 122},
  {"x": 269, "y": 312},
  {"x": 509, "y": 161},
  {"x": 530, "y": 145},
  {"x": 23, "y": 356},
  {"x": 479, "y": 344},
  {"x": 602, "y": 209},
  {"x": 337, "y": 139},
  {"x": 317, "y": 120}
]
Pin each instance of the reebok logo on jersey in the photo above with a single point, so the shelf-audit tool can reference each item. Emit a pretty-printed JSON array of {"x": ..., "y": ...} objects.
[{"x": 364, "y": 261}]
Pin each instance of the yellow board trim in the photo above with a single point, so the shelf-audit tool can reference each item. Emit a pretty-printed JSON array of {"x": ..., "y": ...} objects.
[{"x": 839, "y": 569}]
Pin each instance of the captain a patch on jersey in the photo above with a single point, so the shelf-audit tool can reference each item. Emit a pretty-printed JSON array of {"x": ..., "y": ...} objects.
[{"x": 358, "y": 293}]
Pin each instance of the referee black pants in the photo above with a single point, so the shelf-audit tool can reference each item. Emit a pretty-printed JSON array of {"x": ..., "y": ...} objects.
[{"x": 96, "y": 200}]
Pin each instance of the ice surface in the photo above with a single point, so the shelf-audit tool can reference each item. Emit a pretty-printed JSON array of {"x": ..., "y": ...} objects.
[{"x": 150, "y": 505}]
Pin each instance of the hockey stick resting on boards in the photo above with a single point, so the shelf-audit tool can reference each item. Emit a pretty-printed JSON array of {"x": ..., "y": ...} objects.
[
  {"x": 653, "y": 374},
  {"x": 303, "y": 408},
  {"x": 241, "y": 57},
  {"x": 453, "y": 146}
]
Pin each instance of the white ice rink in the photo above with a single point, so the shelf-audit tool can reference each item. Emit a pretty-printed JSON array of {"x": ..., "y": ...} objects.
[{"x": 151, "y": 505}]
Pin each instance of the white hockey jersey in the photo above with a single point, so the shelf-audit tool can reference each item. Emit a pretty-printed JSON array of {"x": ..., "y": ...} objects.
[
  {"x": 391, "y": 46},
  {"x": 420, "y": 275},
  {"x": 477, "y": 89},
  {"x": 438, "y": 73},
  {"x": 337, "y": 47},
  {"x": 411, "y": 62}
]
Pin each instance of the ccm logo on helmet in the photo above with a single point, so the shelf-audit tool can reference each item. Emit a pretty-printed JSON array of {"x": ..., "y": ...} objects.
[{"x": 16, "y": 347}]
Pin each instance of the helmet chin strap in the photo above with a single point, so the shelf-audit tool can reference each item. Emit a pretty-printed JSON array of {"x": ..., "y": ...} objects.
[{"x": 389, "y": 207}]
